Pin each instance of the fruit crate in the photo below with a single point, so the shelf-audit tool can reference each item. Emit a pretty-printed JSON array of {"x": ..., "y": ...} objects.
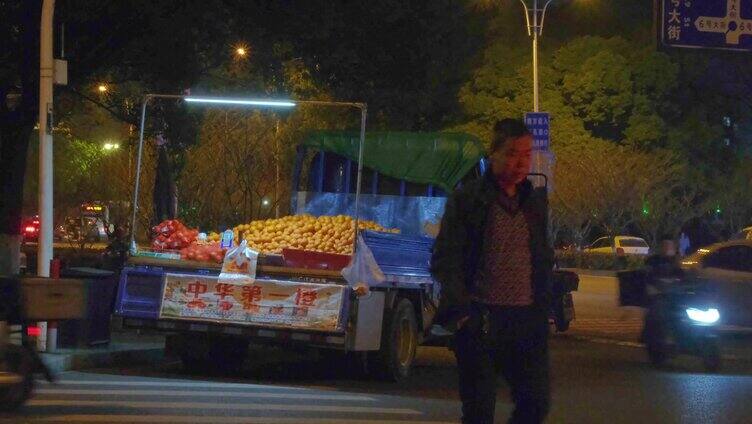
[{"x": 306, "y": 259}]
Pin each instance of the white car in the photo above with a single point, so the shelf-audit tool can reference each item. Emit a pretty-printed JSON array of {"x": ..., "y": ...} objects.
[
  {"x": 619, "y": 245},
  {"x": 727, "y": 268}
]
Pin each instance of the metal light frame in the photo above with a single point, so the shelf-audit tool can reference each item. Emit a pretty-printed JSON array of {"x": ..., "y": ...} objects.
[
  {"x": 535, "y": 26},
  {"x": 535, "y": 30},
  {"x": 258, "y": 103}
]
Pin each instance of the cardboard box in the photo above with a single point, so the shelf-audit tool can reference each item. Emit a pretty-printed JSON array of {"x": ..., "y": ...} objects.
[{"x": 54, "y": 299}]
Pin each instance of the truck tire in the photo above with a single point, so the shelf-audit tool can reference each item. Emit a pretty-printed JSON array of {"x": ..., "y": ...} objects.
[
  {"x": 399, "y": 341},
  {"x": 20, "y": 365}
]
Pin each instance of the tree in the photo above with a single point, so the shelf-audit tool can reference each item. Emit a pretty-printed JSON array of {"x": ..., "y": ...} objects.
[
  {"x": 19, "y": 98},
  {"x": 240, "y": 151},
  {"x": 670, "y": 197},
  {"x": 155, "y": 43},
  {"x": 730, "y": 200}
]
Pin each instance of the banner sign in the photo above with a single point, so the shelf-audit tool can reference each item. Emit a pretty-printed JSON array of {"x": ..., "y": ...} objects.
[
  {"x": 717, "y": 24},
  {"x": 538, "y": 124},
  {"x": 246, "y": 301}
]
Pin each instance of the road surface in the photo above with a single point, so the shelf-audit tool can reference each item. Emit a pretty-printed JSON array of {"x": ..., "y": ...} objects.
[
  {"x": 600, "y": 374},
  {"x": 592, "y": 383}
]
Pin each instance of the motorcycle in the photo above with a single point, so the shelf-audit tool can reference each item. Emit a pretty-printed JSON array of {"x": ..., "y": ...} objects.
[
  {"x": 562, "y": 306},
  {"x": 681, "y": 317},
  {"x": 19, "y": 362}
]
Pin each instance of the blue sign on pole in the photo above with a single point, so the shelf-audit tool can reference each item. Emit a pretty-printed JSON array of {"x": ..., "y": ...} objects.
[
  {"x": 715, "y": 24},
  {"x": 537, "y": 123}
]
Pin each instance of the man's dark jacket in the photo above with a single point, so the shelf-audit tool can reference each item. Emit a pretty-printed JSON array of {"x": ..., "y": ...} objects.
[{"x": 457, "y": 252}]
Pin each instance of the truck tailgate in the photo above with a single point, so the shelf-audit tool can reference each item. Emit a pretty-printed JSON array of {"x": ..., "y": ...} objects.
[{"x": 269, "y": 302}]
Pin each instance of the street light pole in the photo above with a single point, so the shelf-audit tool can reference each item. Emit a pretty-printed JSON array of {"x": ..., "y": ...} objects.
[
  {"x": 536, "y": 107},
  {"x": 46, "y": 69},
  {"x": 276, "y": 169},
  {"x": 534, "y": 18}
]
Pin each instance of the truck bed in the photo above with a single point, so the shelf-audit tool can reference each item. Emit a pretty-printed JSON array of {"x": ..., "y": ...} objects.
[{"x": 405, "y": 261}]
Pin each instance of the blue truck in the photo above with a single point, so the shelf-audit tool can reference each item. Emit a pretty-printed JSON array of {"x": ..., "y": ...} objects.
[{"x": 405, "y": 180}]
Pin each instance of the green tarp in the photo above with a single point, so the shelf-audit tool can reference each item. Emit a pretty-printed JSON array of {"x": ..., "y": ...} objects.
[{"x": 441, "y": 159}]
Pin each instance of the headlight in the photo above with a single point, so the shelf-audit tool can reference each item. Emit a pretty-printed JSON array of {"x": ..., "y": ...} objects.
[{"x": 708, "y": 316}]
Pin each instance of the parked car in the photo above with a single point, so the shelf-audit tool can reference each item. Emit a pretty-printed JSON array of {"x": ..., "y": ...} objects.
[
  {"x": 619, "y": 245},
  {"x": 743, "y": 234},
  {"x": 727, "y": 270},
  {"x": 30, "y": 229},
  {"x": 82, "y": 228}
]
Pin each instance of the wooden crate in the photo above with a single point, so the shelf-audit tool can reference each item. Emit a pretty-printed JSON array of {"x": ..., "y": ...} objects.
[{"x": 54, "y": 299}]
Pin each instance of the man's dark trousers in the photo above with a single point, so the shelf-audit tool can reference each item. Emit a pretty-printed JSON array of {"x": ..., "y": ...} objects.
[{"x": 512, "y": 341}]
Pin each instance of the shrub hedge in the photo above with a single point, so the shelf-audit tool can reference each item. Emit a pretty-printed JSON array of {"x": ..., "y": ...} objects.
[{"x": 598, "y": 261}]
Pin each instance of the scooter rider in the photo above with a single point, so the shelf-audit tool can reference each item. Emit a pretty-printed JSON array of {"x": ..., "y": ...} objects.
[{"x": 662, "y": 266}]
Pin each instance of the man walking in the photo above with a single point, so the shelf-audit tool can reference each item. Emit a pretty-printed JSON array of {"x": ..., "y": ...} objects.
[{"x": 494, "y": 262}]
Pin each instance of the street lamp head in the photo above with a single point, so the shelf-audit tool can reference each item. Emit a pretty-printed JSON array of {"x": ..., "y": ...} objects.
[
  {"x": 102, "y": 88},
  {"x": 246, "y": 102},
  {"x": 241, "y": 51}
]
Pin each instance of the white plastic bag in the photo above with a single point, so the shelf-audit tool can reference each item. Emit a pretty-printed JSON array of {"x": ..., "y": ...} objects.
[
  {"x": 363, "y": 271},
  {"x": 240, "y": 263}
]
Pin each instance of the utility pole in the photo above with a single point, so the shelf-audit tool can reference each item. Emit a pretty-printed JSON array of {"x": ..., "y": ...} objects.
[{"x": 46, "y": 70}]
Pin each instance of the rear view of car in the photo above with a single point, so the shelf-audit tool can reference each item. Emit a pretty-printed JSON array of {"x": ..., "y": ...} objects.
[
  {"x": 30, "y": 229},
  {"x": 631, "y": 246}
]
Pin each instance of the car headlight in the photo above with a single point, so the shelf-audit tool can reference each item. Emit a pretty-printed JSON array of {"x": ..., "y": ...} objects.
[{"x": 708, "y": 316}]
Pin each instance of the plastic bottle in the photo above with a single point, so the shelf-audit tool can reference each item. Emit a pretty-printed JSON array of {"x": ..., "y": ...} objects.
[{"x": 228, "y": 239}]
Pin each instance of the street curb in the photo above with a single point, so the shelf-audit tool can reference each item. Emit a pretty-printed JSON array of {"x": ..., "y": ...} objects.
[{"x": 60, "y": 362}]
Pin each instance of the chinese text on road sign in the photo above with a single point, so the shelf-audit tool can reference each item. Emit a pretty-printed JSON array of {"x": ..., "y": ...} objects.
[
  {"x": 718, "y": 24},
  {"x": 537, "y": 123}
]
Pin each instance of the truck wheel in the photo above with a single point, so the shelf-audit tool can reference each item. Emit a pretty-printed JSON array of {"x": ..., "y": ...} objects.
[
  {"x": 16, "y": 379},
  {"x": 398, "y": 343}
]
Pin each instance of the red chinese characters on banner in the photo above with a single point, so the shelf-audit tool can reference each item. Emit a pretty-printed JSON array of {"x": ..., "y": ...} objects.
[
  {"x": 250, "y": 296},
  {"x": 301, "y": 311},
  {"x": 223, "y": 290},
  {"x": 197, "y": 288},
  {"x": 277, "y": 310},
  {"x": 305, "y": 297}
]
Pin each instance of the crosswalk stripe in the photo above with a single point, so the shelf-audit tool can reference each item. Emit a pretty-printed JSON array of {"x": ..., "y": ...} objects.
[
  {"x": 223, "y": 406},
  {"x": 190, "y": 419},
  {"x": 263, "y": 395},
  {"x": 172, "y": 384}
]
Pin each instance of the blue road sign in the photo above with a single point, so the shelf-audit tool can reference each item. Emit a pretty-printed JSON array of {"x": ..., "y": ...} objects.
[
  {"x": 715, "y": 24},
  {"x": 537, "y": 123}
]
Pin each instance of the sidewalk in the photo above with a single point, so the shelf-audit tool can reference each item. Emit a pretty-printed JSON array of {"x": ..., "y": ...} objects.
[{"x": 124, "y": 349}]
